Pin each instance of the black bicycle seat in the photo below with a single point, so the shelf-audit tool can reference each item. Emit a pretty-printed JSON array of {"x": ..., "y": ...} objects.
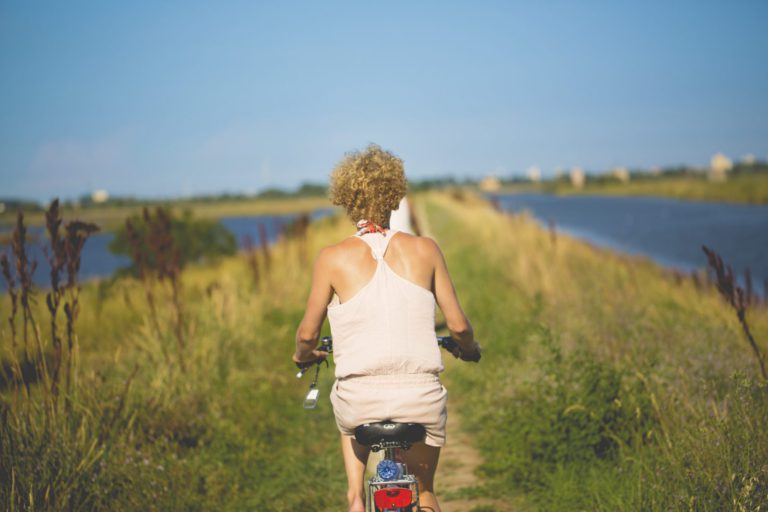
[{"x": 389, "y": 433}]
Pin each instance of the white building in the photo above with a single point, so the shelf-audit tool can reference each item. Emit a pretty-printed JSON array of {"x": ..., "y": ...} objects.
[
  {"x": 719, "y": 166},
  {"x": 578, "y": 177},
  {"x": 534, "y": 174},
  {"x": 621, "y": 174},
  {"x": 99, "y": 196},
  {"x": 490, "y": 184}
]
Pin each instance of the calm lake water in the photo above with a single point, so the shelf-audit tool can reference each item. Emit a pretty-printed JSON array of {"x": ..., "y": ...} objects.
[
  {"x": 669, "y": 231},
  {"x": 97, "y": 261}
]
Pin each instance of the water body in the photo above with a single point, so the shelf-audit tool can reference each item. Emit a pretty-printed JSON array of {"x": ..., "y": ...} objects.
[
  {"x": 97, "y": 261},
  {"x": 669, "y": 231}
]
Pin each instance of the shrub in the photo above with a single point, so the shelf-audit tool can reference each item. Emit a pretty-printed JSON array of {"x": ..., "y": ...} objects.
[
  {"x": 195, "y": 240},
  {"x": 579, "y": 410}
]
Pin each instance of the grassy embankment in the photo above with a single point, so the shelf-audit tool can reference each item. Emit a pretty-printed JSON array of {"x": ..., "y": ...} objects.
[
  {"x": 108, "y": 217},
  {"x": 229, "y": 433},
  {"x": 604, "y": 385},
  {"x": 746, "y": 187}
]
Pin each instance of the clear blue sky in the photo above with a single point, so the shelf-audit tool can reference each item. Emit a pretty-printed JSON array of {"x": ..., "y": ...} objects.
[{"x": 171, "y": 98}]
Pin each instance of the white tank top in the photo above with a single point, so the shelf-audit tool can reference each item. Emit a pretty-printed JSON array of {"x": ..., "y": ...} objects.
[{"x": 388, "y": 327}]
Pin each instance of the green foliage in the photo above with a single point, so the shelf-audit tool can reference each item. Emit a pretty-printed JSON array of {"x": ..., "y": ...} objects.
[
  {"x": 196, "y": 240},
  {"x": 578, "y": 410},
  {"x": 715, "y": 462},
  {"x": 634, "y": 408}
]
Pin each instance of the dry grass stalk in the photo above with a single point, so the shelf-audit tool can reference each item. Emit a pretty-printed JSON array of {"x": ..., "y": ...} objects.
[
  {"x": 5, "y": 267},
  {"x": 64, "y": 255},
  {"x": 141, "y": 264},
  {"x": 77, "y": 234},
  {"x": 25, "y": 269},
  {"x": 264, "y": 243},
  {"x": 251, "y": 255},
  {"x": 57, "y": 259},
  {"x": 168, "y": 265},
  {"x": 725, "y": 282}
]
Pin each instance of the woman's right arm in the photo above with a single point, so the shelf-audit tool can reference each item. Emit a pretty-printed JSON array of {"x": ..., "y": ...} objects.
[{"x": 457, "y": 321}]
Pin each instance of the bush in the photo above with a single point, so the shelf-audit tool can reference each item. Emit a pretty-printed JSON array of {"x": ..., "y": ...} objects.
[
  {"x": 195, "y": 240},
  {"x": 579, "y": 411}
]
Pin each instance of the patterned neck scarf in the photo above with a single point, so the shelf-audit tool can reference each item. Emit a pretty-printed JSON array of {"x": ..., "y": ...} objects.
[{"x": 366, "y": 226}]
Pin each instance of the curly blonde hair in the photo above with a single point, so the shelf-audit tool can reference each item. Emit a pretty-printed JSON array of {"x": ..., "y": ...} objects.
[{"x": 369, "y": 184}]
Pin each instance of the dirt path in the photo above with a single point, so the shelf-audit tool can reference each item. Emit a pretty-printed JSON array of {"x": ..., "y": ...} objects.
[
  {"x": 456, "y": 472},
  {"x": 459, "y": 459}
]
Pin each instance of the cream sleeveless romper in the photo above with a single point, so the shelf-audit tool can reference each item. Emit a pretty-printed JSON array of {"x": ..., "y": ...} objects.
[{"x": 386, "y": 354}]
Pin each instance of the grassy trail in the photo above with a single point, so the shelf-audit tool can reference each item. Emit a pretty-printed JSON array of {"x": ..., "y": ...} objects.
[
  {"x": 460, "y": 459},
  {"x": 601, "y": 374},
  {"x": 605, "y": 384}
]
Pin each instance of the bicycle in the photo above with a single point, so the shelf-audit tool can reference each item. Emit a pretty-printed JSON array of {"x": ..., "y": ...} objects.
[{"x": 391, "y": 488}]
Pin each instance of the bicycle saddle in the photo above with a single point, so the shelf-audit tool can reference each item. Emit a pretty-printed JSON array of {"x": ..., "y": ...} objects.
[{"x": 384, "y": 434}]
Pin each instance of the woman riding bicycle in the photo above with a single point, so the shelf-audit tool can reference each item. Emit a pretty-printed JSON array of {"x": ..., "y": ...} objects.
[{"x": 378, "y": 289}]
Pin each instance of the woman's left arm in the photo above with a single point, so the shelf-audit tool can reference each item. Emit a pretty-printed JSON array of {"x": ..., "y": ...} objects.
[{"x": 314, "y": 315}]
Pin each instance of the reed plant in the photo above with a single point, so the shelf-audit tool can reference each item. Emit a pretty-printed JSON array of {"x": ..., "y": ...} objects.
[{"x": 738, "y": 298}]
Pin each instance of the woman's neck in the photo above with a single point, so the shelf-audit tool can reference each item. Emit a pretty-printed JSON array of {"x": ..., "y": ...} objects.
[{"x": 365, "y": 226}]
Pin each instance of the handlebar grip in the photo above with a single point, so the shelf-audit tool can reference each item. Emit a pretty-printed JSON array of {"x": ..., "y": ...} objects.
[{"x": 447, "y": 343}]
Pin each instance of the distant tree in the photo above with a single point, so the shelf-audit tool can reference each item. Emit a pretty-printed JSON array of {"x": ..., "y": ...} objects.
[
  {"x": 196, "y": 240},
  {"x": 273, "y": 193},
  {"x": 312, "y": 190}
]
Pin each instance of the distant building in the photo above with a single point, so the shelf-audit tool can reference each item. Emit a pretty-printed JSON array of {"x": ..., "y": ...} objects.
[
  {"x": 719, "y": 166},
  {"x": 99, "y": 196},
  {"x": 577, "y": 177},
  {"x": 655, "y": 170},
  {"x": 748, "y": 159},
  {"x": 534, "y": 174},
  {"x": 621, "y": 174},
  {"x": 490, "y": 184}
]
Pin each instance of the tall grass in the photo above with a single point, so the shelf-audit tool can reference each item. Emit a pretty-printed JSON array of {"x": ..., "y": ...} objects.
[
  {"x": 607, "y": 383},
  {"x": 229, "y": 433}
]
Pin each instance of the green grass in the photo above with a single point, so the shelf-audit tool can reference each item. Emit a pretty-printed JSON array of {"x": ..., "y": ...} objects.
[
  {"x": 229, "y": 434},
  {"x": 604, "y": 385}
]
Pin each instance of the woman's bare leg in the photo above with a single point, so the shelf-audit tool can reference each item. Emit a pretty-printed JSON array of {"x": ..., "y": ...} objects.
[
  {"x": 422, "y": 462},
  {"x": 355, "y": 459}
]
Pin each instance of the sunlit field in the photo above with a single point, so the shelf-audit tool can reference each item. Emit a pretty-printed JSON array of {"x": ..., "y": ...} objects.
[{"x": 607, "y": 383}]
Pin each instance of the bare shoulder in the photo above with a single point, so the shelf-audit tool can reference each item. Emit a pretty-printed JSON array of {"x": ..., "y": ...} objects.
[
  {"x": 338, "y": 253},
  {"x": 421, "y": 245}
]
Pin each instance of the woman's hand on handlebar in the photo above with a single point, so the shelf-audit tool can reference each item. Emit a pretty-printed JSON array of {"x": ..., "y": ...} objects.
[
  {"x": 316, "y": 356},
  {"x": 472, "y": 356}
]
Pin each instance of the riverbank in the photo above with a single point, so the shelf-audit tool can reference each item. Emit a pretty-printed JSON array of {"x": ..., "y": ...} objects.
[
  {"x": 605, "y": 384},
  {"x": 109, "y": 217},
  {"x": 746, "y": 187}
]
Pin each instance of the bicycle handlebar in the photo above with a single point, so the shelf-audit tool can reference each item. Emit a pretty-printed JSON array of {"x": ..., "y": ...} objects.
[{"x": 326, "y": 345}]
